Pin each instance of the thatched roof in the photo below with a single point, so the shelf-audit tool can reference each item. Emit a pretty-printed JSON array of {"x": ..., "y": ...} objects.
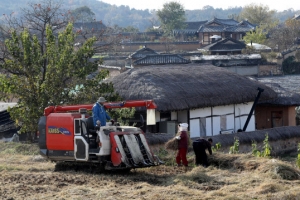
[
  {"x": 287, "y": 88},
  {"x": 187, "y": 86}
]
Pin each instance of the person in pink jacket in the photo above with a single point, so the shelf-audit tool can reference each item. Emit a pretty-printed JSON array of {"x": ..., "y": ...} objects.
[{"x": 182, "y": 144}]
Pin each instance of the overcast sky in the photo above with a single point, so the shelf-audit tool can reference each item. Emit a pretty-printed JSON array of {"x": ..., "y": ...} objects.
[{"x": 199, "y": 4}]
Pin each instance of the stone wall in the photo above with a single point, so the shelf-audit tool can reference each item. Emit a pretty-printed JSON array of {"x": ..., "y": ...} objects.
[{"x": 267, "y": 70}]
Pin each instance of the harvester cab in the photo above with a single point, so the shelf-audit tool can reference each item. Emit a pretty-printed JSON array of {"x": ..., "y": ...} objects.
[{"x": 72, "y": 137}]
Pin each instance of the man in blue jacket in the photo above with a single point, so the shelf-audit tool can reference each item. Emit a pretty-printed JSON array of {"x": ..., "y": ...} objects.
[{"x": 99, "y": 113}]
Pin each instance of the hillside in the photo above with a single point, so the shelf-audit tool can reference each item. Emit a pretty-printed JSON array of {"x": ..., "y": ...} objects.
[
  {"x": 124, "y": 16},
  {"x": 25, "y": 175}
]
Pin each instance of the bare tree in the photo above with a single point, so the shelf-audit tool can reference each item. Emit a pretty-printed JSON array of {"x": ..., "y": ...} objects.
[
  {"x": 107, "y": 38},
  {"x": 281, "y": 38},
  {"x": 294, "y": 26},
  {"x": 35, "y": 18},
  {"x": 258, "y": 14}
]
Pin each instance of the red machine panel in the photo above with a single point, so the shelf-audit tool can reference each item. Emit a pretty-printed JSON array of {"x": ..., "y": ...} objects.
[
  {"x": 116, "y": 157},
  {"x": 60, "y": 131}
]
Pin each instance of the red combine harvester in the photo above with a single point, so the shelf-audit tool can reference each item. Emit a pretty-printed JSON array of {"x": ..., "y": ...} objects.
[{"x": 65, "y": 135}]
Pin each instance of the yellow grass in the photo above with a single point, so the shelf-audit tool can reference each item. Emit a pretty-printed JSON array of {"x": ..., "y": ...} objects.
[{"x": 237, "y": 176}]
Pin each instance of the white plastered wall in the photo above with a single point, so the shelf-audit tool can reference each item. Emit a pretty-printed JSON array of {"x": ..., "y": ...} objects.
[
  {"x": 236, "y": 116},
  {"x": 241, "y": 114},
  {"x": 174, "y": 116}
]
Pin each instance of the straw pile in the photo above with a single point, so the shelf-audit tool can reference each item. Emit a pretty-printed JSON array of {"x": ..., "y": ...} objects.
[
  {"x": 158, "y": 138},
  {"x": 222, "y": 160},
  {"x": 280, "y": 169},
  {"x": 172, "y": 144}
]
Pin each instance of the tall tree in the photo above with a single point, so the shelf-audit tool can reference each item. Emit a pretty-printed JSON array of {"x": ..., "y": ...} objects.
[
  {"x": 56, "y": 76},
  {"x": 258, "y": 14},
  {"x": 294, "y": 26},
  {"x": 281, "y": 38},
  {"x": 83, "y": 14},
  {"x": 171, "y": 16},
  {"x": 35, "y": 18},
  {"x": 259, "y": 35}
]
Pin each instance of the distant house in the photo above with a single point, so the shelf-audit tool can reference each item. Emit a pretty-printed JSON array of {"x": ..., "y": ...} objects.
[
  {"x": 296, "y": 17},
  {"x": 142, "y": 53},
  {"x": 139, "y": 54},
  {"x": 211, "y": 99},
  {"x": 89, "y": 26},
  {"x": 160, "y": 59},
  {"x": 146, "y": 56},
  {"x": 88, "y": 30},
  {"x": 281, "y": 111},
  {"x": 189, "y": 32},
  {"x": 287, "y": 53},
  {"x": 224, "y": 47},
  {"x": 224, "y": 28},
  {"x": 243, "y": 64},
  {"x": 259, "y": 47}
]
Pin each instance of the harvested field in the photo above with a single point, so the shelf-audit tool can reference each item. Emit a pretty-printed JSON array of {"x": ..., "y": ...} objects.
[{"x": 25, "y": 175}]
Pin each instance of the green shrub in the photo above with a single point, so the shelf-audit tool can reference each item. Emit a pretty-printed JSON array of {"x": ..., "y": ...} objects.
[
  {"x": 217, "y": 148},
  {"x": 255, "y": 151},
  {"x": 235, "y": 148},
  {"x": 266, "y": 152}
]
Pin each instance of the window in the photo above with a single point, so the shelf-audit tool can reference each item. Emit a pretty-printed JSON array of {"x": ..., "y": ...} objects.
[{"x": 77, "y": 126}]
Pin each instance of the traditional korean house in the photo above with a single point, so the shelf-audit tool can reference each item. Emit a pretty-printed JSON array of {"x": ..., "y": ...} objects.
[
  {"x": 146, "y": 56},
  {"x": 224, "y": 28},
  {"x": 139, "y": 54},
  {"x": 189, "y": 32},
  {"x": 160, "y": 59},
  {"x": 282, "y": 110},
  {"x": 89, "y": 26},
  {"x": 211, "y": 99},
  {"x": 243, "y": 64},
  {"x": 226, "y": 46}
]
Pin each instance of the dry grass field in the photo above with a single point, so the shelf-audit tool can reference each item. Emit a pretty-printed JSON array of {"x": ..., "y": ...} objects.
[{"x": 25, "y": 175}]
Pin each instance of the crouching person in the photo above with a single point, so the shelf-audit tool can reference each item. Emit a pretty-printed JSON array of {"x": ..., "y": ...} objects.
[
  {"x": 199, "y": 147},
  {"x": 182, "y": 138}
]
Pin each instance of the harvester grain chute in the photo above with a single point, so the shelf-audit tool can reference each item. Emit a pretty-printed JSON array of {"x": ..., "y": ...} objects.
[{"x": 67, "y": 134}]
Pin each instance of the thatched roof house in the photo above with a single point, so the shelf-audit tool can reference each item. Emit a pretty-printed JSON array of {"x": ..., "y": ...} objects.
[
  {"x": 287, "y": 88},
  {"x": 188, "y": 86},
  {"x": 281, "y": 111}
]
